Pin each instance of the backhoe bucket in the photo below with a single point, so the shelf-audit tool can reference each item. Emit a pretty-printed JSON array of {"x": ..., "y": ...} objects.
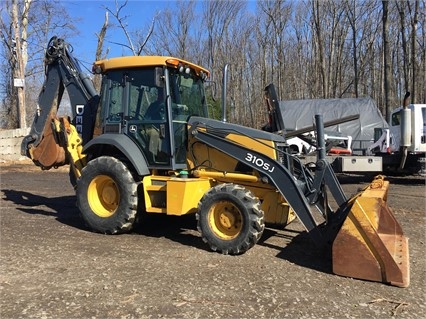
[
  {"x": 49, "y": 152},
  {"x": 370, "y": 244}
]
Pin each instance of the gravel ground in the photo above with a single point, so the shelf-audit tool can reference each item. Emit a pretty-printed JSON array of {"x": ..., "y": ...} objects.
[{"x": 52, "y": 266}]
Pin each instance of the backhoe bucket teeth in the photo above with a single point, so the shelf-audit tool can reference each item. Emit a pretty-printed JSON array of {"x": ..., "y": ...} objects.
[{"x": 370, "y": 245}]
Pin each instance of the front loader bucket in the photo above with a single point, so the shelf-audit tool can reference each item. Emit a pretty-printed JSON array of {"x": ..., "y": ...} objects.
[{"x": 370, "y": 244}]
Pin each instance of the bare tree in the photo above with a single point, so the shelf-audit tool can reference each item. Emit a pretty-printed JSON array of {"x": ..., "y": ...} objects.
[
  {"x": 301, "y": 55},
  {"x": 135, "y": 48},
  {"x": 36, "y": 20},
  {"x": 20, "y": 56},
  {"x": 99, "y": 50},
  {"x": 175, "y": 34},
  {"x": 414, "y": 64},
  {"x": 319, "y": 45},
  {"x": 277, "y": 16},
  {"x": 309, "y": 48},
  {"x": 404, "y": 47},
  {"x": 421, "y": 74},
  {"x": 386, "y": 58},
  {"x": 224, "y": 24},
  {"x": 352, "y": 14},
  {"x": 217, "y": 16}
]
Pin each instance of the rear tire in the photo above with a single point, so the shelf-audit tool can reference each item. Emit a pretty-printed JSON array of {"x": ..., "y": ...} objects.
[
  {"x": 229, "y": 219},
  {"x": 107, "y": 196}
]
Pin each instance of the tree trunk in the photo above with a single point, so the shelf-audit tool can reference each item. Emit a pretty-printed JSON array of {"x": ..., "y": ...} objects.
[
  {"x": 386, "y": 59},
  {"x": 21, "y": 57},
  {"x": 99, "y": 51},
  {"x": 320, "y": 47},
  {"x": 405, "y": 62},
  {"x": 352, "y": 20},
  {"x": 414, "y": 22}
]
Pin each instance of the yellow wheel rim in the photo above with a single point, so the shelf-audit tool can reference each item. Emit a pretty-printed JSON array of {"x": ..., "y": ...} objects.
[
  {"x": 225, "y": 220},
  {"x": 103, "y": 196}
]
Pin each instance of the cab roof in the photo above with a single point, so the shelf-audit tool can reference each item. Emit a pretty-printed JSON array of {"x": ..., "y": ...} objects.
[{"x": 144, "y": 61}]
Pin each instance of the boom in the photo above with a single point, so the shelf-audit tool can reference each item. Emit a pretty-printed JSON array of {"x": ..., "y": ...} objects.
[
  {"x": 301, "y": 195},
  {"x": 62, "y": 71}
]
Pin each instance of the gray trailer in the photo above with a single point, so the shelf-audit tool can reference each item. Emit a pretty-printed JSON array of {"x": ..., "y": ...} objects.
[
  {"x": 298, "y": 114},
  {"x": 365, "y": 131}
]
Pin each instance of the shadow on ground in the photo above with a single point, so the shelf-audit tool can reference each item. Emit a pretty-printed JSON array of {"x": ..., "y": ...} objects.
[
  {"x": 64, "y": 209},
  {"x": 299, "y": 249}
]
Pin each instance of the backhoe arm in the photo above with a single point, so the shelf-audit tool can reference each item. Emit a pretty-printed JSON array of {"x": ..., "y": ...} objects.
[{"x": 51, "y": 138}]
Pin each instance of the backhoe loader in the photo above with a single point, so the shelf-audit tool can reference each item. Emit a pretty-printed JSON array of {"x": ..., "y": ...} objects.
[{"x": 125, "y": 161}]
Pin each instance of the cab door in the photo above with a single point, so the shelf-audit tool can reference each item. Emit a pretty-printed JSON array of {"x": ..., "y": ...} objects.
[{"x": 137, "y": 107}]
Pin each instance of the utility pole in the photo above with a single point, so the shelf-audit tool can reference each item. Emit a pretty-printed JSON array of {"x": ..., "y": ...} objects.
[{"x": 19, "y": 55}]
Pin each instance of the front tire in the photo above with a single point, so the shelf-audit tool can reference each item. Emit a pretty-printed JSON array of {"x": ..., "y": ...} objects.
[
  {"x": 229, "y": 219},
  {"x": 107, "y": 196}
]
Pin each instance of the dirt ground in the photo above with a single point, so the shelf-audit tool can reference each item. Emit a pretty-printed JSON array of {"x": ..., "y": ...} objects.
[{"x": 52, "y": 266}]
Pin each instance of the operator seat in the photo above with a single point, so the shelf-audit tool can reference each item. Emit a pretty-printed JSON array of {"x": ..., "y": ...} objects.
[{"x": 156, "y": 110}]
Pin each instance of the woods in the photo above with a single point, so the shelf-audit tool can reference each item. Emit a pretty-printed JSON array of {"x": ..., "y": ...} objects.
[{"x": 308, "y": 49}]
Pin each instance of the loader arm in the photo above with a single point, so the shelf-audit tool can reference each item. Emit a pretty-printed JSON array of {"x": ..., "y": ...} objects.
[
  {"x": 49, "y": 136},
  {"x": 304, "y": 193},
  {"x": 271, "y": 171},
  {"x": 364, "y": 237}
]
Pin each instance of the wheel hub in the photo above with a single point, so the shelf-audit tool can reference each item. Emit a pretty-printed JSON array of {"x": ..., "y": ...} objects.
[
  {"x": 109, "y": 194},
  {"x": 225, "y": 220},
  {"x": 103, "y": 196}
]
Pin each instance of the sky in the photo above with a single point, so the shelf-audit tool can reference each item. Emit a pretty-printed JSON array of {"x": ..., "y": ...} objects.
[{"x": 89, "y": 17}]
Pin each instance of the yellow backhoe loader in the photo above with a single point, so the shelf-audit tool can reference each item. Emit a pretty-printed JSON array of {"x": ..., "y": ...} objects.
[{"x": 145, "y": 145}]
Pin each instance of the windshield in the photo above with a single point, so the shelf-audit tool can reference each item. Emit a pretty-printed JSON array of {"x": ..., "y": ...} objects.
[{"x": 187, "y": 91}]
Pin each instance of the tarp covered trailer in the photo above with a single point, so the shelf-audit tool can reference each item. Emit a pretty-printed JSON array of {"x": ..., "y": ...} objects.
[{"x": 298, "y": 114}]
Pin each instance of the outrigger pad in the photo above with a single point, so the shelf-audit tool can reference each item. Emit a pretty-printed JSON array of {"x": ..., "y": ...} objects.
[{"x": 370, "y": 244}]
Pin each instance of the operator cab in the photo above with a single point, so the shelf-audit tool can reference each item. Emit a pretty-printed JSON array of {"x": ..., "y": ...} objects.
[{"x": 151, "y": 104}]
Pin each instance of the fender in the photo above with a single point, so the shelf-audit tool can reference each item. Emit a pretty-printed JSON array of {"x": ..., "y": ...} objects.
[{"x": 125, "y": 145}]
